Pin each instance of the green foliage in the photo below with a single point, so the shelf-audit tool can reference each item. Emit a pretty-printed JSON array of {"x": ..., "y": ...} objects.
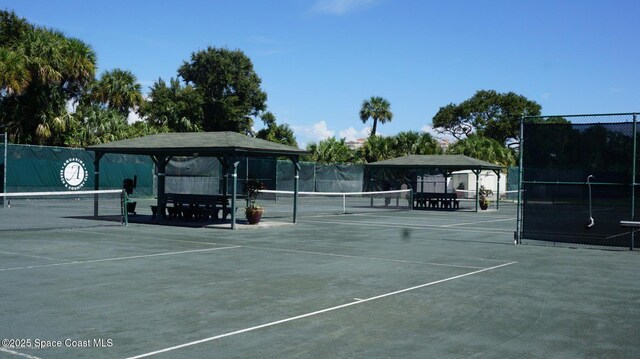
[
  {"x": 279, "y": 134},
  {"x": 330, "y": 150},
  {"x": 488, "y": 113},
  {"x": 377, "y": 108},
  {"x": 378, "y": 148},
  {"x": 251, "y": 190},
  {"x": 485, "y": 149},
  {"x": 276, "y": 133},
  {"x": 42, "y": 71},
  {"x": 415, "y": 143},
  {"x": 175, "y": 107},
  {"x": 229, "y": 87},
  {"x": 119, "y": 90}
]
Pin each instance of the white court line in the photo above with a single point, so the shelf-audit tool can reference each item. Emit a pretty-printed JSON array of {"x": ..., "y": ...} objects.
[
  {"x": 28, "y": 255},
  {"x": 481, "y": 222},
  {"x": 314, "y": 313},
  {"x": 17, "y": 353},
  {"x": 115, "y": 259}
]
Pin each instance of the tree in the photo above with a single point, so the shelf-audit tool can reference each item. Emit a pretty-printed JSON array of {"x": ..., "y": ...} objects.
[
  {"x": 96, "y": 125},
  {"x": 377, "y": 148},
  {"x": 14, "y": 75},
  {"x": 377, "y": 108},
  {"x": 484, "y": 148},
  {"x": 229, "y": 87},
  {"x": 330, "y": 150},
  {"x": 118, "y": 90},
  {"x": 276, "y": 133},
  {"x": 488, "y": 113},
  {"x": 33, "y": 104},
  {"x": 175, "y": 107},
  {"x": 414, "y": 143}
]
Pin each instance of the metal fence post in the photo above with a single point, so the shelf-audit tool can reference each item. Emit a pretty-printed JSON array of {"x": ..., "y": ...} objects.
[
  {"x": 518, "y": 236},
  {"x": 633, "y": 179},
  {"x": 4, "y": 172}
]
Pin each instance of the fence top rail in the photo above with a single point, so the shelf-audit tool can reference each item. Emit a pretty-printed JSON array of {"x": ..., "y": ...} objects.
[
  {"x": 61, "y": 193},
  {"x": 586, "y": 115}
]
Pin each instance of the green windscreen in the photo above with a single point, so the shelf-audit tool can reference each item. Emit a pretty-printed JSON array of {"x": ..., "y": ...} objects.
[{"x": 577, "y": 179}]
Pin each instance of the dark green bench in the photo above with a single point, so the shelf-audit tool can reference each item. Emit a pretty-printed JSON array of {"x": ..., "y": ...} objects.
[
  {"x": 195, "y": 206},
  {"x": 434, "y": 200}
]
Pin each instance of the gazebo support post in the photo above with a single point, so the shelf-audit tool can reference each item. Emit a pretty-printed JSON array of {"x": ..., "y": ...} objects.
[
  {"x": 497, "y": 172},
  {"x": 96, "y": 182},
  {"x": 234, "y": 192},
  {"x": 477, "y": 173},
  {"x": 296, "y": 177},
  {"x": 161, "y": 166},
  {"x": 445, "y": 174}
]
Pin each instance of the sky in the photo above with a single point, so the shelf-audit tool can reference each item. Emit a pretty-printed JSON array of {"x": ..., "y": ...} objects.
[{"x": 320, "y": 59}]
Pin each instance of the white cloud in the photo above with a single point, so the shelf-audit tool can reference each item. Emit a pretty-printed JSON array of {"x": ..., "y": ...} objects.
[
  {"x": 351, "y": 134},
  {"x": 429, "y": 129},
  {"x": 314, "y": 133},
  {"x": 340, "y": 7},
  {"x": 321, "y": 131}
]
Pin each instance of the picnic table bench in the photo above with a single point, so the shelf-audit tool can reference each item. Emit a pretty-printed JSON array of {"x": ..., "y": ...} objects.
[
  {"x": 434, "y": 200},
  {"x": 195, "y": 206}
]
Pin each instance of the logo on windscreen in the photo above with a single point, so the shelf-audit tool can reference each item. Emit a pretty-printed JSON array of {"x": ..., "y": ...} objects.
[{"x": 73, "y": 174}]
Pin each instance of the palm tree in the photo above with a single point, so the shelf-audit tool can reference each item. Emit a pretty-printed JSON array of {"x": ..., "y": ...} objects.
[
  {"x": 414, "y": 143},
  {"x": 330, "y": 150},
  {"x": 42, "y": 70},
  {"x": 14, "y": 75},
  {"x": 378, "y": 148},
  {"x": 377, "y": 108},
  {"x": 484, "y": 148},
  {"x": 119, "y": 90}
]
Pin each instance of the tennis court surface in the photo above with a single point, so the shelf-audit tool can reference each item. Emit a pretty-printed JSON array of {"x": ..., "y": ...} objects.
[{"x": 406, "y": 284}]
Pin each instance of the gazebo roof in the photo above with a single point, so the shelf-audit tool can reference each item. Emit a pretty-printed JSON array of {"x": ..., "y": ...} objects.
[
  {"x": 197, "y": 144},
  {"x": 442, "y": 162}
]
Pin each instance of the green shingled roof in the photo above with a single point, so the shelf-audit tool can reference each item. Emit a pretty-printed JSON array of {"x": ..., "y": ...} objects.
[
  {"x": 200, "y": 143},
  {"x": 443, "y": 162}
]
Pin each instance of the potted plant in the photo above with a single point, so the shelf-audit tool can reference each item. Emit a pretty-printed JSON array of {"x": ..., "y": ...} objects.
[
  {"x": 253, "y": 211},
  {"x": 483, "y": 197}
]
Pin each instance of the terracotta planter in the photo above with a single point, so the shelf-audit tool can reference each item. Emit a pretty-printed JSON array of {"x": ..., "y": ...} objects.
[{"x": 254, "y": 215}]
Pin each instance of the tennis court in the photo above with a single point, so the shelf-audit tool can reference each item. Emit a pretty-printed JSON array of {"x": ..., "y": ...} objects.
[{"x": 390, "y": 284}]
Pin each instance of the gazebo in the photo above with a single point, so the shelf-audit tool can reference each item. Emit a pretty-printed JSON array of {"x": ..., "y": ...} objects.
[
  {"x": 445, "y": 164},
  {"x": 227, "y": 147}
]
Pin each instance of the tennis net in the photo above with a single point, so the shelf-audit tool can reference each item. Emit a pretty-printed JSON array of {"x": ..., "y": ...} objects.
[
  {"x": 280, "y": 203},
  {"x": 54, "y": 210},
  {"x": 468, "y": 198}
]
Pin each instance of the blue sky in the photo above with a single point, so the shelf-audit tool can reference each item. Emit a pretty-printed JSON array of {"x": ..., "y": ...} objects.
[{"x": 319, "y": 59}]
